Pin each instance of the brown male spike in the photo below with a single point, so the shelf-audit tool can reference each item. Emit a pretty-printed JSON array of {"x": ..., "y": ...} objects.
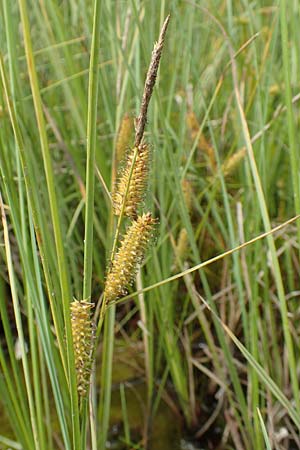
[
  {"x": 133, "y": 182},
  {"x": 130, "y": 190},
  {"x": 129, "y": 257},
  {"x": 149, "y": 83},
  {"x": 83, "y": 341}
]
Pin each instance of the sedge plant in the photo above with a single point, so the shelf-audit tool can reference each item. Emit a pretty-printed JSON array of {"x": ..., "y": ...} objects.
[{"x": 215, "y": 312}]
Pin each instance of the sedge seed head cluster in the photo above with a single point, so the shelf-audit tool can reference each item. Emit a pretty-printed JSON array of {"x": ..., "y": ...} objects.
[{"x": 127, "y": 198}]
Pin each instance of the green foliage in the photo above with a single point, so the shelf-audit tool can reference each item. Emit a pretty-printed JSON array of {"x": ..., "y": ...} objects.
[{"x": 219, "y": 337}]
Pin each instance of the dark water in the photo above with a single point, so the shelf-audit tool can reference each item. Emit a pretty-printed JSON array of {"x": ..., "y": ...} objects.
[{"x": 165, "y": 431}]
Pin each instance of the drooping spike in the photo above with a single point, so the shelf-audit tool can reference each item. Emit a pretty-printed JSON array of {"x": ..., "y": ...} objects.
[{"x": 129, "y": 257}]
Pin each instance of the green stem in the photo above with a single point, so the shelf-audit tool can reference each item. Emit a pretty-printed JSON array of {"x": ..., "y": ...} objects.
[
  {"x": 40, "y": 238},
  {"x": 270, "y": 240},
  {"x": 90, "y": 177},
  {"x": 60, "y": 252},
  {"x": 294, "y": 156},
  {"x": 91, "y": 146},
  {"x": 17, "y": 313}
]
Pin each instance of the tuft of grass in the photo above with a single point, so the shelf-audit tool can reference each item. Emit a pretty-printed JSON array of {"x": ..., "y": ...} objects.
[{"x": 214, "y": 312}]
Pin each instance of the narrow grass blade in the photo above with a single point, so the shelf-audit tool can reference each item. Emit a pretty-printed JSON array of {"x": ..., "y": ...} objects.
[
  {"x": 91, "y": 147},
  {"x": 264, "y": 431}
]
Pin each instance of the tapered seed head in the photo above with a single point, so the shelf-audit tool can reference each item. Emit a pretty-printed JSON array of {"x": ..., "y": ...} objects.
[
  {"x": 129, "y": 256},
  {"x": 83, "y": 341},
  {"x": 132, "y": 184}
]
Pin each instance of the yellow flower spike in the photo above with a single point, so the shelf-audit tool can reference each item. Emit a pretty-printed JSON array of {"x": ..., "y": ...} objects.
[
  {"x": 129, "y": 257},
  {"x": 138, "y": 182},
  {"x": 83, "y": 341}
]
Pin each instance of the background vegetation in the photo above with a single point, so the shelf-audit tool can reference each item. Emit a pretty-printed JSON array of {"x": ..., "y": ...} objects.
[{"x": 218, "y": 343}]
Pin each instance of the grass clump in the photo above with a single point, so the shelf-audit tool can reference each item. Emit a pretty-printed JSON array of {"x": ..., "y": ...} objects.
[{"x": 207, "y": 323}]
